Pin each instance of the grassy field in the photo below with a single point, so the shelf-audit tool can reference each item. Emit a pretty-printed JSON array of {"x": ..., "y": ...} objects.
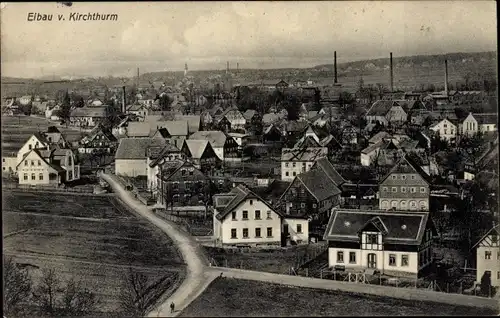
[
  {"x": 17, "y": 129},
  {"x": 92, "y": 238},
  {"x": 231, "y": 297}
]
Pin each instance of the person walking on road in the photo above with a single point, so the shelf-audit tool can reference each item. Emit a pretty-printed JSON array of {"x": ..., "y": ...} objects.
[{"x": 172, "y": 307}]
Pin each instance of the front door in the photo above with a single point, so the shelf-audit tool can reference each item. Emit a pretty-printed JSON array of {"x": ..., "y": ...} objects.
[{"x": 372, "y": 260}]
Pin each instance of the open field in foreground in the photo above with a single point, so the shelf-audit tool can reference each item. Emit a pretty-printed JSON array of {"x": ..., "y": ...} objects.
[
  {"x": 17, "y": 129},
  {"x": 232, "y": 297},
  {"x": 94, "y": 239}
]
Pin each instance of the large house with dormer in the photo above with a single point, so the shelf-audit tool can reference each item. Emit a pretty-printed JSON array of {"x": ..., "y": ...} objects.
[
  {"x": 405, "y": 187},
  {"x": 100, "y": 139},
  {"x": 395, "y": 243},
  {"x": 297, "y": 161}
]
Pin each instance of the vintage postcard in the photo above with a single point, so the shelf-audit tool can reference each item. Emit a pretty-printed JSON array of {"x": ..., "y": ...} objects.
[{"x": 284, "y": 158}]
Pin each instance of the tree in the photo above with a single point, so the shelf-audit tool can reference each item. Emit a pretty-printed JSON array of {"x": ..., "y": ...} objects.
[
  {"x": 77, "y": 301},
  {"x": 292, "y": 105},
  {"x": 165, "y": 102},
  {"x": 65, "y": 107},
  {"x": 17, "y": 287},
  {"x": 45, "y": 294},
  {"x": 138, "y": 293}
]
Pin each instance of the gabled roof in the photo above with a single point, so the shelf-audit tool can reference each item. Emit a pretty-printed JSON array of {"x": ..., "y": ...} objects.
[
  {"x": 325, "y": 141},
  {"x": 407, "y": 165},
  {"x": 138, "y": 129},
  {"x": 136, "y": 148},
  {"x": 193, "y": 122},
  {"x": 249, "y": 114},
  {"x": 376, "y": 223},
  {"x": 303, "y": 154},
  {"x": 326, "y": 166},
  {"x": 99, "y": 128},
  {"x": 381, "y": 108},
  {"x": 229, "y": 201},
  {"x": 158, "y": 153},
  {"x": 401, "y": 227},
  {"x": 378, "y": 137},
  {"x": 319, "y": 184},
  {"x": 196, "y": 147},
  {"x": 90, "y": 112},
  {"x": 44, "y": 155},
  {"x": 175, "y": 127},
  {"x": 217, "y": 139},
  {"x": 270, "y": 118},
  {"x": 494, "y": 230}
]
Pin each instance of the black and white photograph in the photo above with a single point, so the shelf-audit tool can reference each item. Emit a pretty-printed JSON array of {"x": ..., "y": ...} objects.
[{"x": 250, "y": 158}]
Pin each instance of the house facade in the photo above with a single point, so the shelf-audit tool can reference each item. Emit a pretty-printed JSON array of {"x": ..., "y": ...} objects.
[
  {"x": 181, "y": 184},
  {"x": 201, "y": 154},
  {"x": 224, "y": 146},
  {"x": 242, "y": 218},
  {"x": 446, "y": 130},
  {"x": 396, "y": 243},
  {"x": 488, "y": 257},
  {"x": 297, "y": 161},
  {"x": 88, "y": 116},
  {"x": 131, "y": 158},
  {"x": 405, "y": 187},
  {"x": 156, "y": 156},
  {"x": 99, "y": 139}
]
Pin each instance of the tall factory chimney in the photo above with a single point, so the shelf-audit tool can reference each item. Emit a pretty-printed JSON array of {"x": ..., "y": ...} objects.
[
  {"x": 227, "y": 67},
  {"x": 446, "y": 77},
  {"x": 185, "y": 69},
  {"x": 392, "y": 74},
  {"x": 335, "y": 67},
  {"x": 237, "y": 67},
  {"x": 137, "y": 77},
  {"x": 123, "y": 99}
]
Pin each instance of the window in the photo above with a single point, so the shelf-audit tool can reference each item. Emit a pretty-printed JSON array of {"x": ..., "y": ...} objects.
[
  {"x": 394, "y": 189},
  {"x": 233, "y": 215},
  {"x": 303, "y": 164},
  {"x": 245, "y": 215},
  {"x": 33, "y": 176},
  {"x": 191, "y": 172},
  {"x": 40, "y": 176},
  {"x": 340, "y": 257},
  {"x": 268, "y": 215},
  {"x": 29, "y": 146},
  {"x": 183, "y": 172},
  {"x": 404, "y": 260},
  {"x": 257, "y": 232},
  {"x": 392, "y": 259},
  {"x": 287, "y": 173},
  {"x": 294, "y": 173},
  {"x": 294, "y": 164},
  {"x": 413, "y": 204},
  {"x": 372, "y": 238},
  {"x": 352, "y": 257},
  {"x": 299, "y": 228},
  {"x": 251, "y": 202},
  {"x": 286, "y": 164},
  {"x": 39, "y": 163},
  {"x": 302, "y": 205},
  {"x": 413, "y": 177},
  {"x": 422, "y": 189},
  {"x": 257, "y": 214},
  {"x": 394, "y": 177},
  {"x": 32, "y": 162},
  {"x": 494, "y": 238},
  {"x": 385, "y": 189},
  {"x": 403, "y": 189},
  {"x": 269, "y": 232},
  {"x": 25, "y": 162},
  {"x": 233, "y": 233},
  {"x": 487, "y": 255},
  {"x": 413, "y": 190},
  {"x": 403, "y": 177},
  {"x": 25, "y": 176},
  {"x": 245, "y": 233}
]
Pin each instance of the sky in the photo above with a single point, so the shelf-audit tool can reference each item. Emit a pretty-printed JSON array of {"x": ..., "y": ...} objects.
[{"x": 162, "y": 36}]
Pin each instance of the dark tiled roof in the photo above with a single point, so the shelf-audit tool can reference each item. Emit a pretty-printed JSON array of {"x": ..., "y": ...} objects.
[
  {"x": 238, "y": 195},
  {"x": 494, "y": 230},
  {"x": 402, "y": 227},
  {"x": 136, "y": 148},
  {"x": 89, "y": 112},
  {"x": 486, "y": 118},
  {"x": 326, "y": 166},
  {"x": 408, "y": 165},
  {"x": 216, "y": 138},
  {"x": 249, "y": 114},
  {"x": 303, "y": 154},
  {"x": 319, "y": 184},
  {"x": 380, "y": 108},
  {"x": 158, "y": 153}
]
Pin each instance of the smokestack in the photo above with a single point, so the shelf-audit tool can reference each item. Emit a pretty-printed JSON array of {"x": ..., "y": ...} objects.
[
  {"x": 446, "y": 77},
  {"x": 335, "y": 67},
  {"x": 137, "y": 77},
  {"x": 227, "y": 67},
  {"x": 237, "y": 67},
  {"x": 123, "y": 98},
  {"x": 392, "y": 75},
  {"x": 185, "y": 69}
]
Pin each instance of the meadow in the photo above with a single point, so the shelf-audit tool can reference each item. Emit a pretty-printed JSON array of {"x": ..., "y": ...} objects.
[
  {"x": 242, "y": 298},
  {"x": 93, "y": 239}
]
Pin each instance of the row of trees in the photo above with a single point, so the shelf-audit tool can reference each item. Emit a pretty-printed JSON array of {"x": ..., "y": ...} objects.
[{"x": 52, "y": 296}]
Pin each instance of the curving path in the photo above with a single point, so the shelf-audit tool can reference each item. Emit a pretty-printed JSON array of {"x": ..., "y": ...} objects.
[{"x": 197, "y": 279}]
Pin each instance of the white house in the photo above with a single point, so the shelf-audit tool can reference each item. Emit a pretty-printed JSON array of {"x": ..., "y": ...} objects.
[
  {"x": 397, "y": 243},
  {"x": 44, "y": 166},
  {"x": 131, "y": 157},
  {"x": 488, "y": 257},
  {"x": 155, "y": 158},
  {"x": 242, "y": 218},
  {"x": 42, "y": 140},
  {"x": 297, "y": 161},
  {"x": 445, "y": 129},
  {"x": 235, "y": 118},
  {"x": 223, "y": 145}
]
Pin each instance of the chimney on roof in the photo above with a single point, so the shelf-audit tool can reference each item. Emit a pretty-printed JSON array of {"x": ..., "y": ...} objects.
[
  {"x": 446, "y": 77},
  {"x": 335, "y": 67},
  {"x": 123, "y": 98},
  {"x": 392, "y": 74}
]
